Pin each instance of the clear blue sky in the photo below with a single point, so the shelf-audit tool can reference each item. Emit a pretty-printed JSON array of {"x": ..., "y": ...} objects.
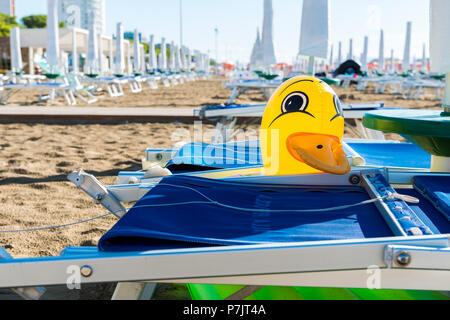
[{"x": 237, "y": 21}]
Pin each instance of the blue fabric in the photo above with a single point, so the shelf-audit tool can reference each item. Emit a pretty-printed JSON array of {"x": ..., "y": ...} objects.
[
  {"x": 437, "y": 191},
  {"x": 230, "y": 155},
  {"x": 402, "y": 155},
  {"x": 183, "y": 212},
  {"x": 434, "y": 219},
  {"x": 248, "y": 153}
]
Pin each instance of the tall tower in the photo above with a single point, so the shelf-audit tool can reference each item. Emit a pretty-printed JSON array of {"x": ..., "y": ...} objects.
[
  {"x": 267, "y": 35},
  {"x": 77, "y": 13},
  {"x": 8, "y": 7}
]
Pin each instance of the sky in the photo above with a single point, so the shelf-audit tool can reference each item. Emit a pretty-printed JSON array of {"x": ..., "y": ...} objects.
[{"x": 238, "y": 20}]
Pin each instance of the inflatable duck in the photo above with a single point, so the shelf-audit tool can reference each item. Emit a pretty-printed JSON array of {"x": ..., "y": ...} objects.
[{"x": 302, "y": 130}]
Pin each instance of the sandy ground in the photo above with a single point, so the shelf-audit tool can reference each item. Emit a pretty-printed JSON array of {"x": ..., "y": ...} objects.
[
  {"x": 35, "y": 159},
  {"x": 195, "y": 94}
]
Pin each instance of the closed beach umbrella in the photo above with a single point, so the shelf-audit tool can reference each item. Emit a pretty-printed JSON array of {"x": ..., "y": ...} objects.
[
  {"x": 53, "y": 49},
  {"x": 178, "y": 60},
  {"x": 143, "y": 62},
  {"x": 331, "y": 57},
  {"x": 439, "y": 44},
  {"x": 101, "y": 56},
  {"x": 163, "y": 55},
  {"x": 439, "y": 36},
  {"x": 392, "y": 67},
  {"x": 93, "y": 56},
  {"x": 339, "y": 62},
  {"x": 137, "y": 52},
  {"x": 424, "y": 58},
  {"x": 75, "y": 64},
  {"x": 267, "y": 35},
  {"x": 172, "y": 60},
  {"x": 364, "y": 66},
  {"x": 120, "y": 56},
  {"x": 407, "y": 52},
  {"x": 16, "y": 52},
  {"x": 152, "y": 61},
  {"x": 381, "y": 55},
  {"x": 350, "y": 50},
  {"x": 314, "y": 35}
]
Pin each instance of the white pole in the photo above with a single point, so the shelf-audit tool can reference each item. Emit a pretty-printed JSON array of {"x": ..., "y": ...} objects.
[
  {"x": 392, "y": 67},
  {"x": 381, "y": 55},
  {"x": 53, "y": 48},
  {"x": 75, "y": 64},
  {"x": 120, "y": 57},
  {"x": 364, "y": 55},
  {"x": 181, "y": 23},
  {"x": 331, "y": 57},
  {"x": 424, "y": 58},
  {"x": 339, "y": 62},
  {"x": 407, "y": 53},
  {"x": 100, "y": 55},
  {"x": 16, "y": 52},
  {"x": 350, "y": 50},
  {"x": 92, "y": 47},
  {"x": 163, "y": 55},
  {"x": 152, "y": 54},
  {"x": 129, "y": 65},
  {"x": 137, "y": 52}
]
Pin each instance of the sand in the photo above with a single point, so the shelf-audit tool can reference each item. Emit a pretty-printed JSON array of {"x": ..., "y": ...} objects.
[{"x": 35, "y": 159}]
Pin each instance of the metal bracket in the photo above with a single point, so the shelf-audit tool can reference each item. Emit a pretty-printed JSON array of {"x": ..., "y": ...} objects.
[
  {"x": 409, "y": 257},
  {"x": 90, "y": 185}
]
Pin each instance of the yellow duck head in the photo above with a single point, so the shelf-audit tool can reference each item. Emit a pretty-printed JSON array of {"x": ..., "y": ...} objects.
[{"x": 302, "y": 130}]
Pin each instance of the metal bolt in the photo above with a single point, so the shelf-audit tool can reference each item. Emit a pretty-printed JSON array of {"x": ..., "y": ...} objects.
[
  {"x": 403, "y": 259},
  {"x": 86, "y": 271},
  {"x": 355, "y": 179}
]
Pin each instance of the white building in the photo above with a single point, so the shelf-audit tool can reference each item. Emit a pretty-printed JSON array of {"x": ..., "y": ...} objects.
[
  {"x": 8, "y": 7},
  {"x": 76, "y": 13}
]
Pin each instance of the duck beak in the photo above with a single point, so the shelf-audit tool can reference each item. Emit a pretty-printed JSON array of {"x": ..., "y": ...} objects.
[{"x": 319, "y": 151}]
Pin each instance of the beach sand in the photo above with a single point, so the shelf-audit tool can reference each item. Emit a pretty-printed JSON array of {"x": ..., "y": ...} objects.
[{"x": 35, "y": 159}]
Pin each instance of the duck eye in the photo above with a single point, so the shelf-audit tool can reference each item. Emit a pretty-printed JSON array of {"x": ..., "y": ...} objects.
[
  {"x": 295, "y": 102},
  {"x": 338, "y": 106}
]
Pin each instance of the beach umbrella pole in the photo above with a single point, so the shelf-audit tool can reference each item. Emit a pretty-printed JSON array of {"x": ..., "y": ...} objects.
[
  {"x": 311, "y": 68},
  {"x": 446, "y": 101}
]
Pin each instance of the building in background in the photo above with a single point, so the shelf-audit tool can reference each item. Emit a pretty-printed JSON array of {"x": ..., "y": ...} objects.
[
  {"x": 8, "y": 7},
  {"x": 76, "y": 13}
]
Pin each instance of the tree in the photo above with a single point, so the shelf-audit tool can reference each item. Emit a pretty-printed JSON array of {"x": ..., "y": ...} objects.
[
  {"x": 7, "y": 22},
  {"x": 37, "y": 21}
]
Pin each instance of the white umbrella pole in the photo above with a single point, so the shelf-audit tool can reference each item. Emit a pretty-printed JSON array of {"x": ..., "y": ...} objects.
[
  {"x": 339, "y": 54},
  {"x": 16, "y": 52},
  {"x": 53, "y": 48},
  {"x": 407, "y": 53},
  {"x": 392, "y": 67},
  {"x": 100, "y": 55},
  {"x": 350, "y": 49},
  {"x": 75, "y": 64},
  {"x": 331, "y": 57},
  {"x": 381, "y": 56},
  {"x": 152, "y": 54},
  {"x": 137, "y": 52},
  {"x": 120, "y": 57},
  {"x": 364, "y": 55},
  {"x": 93, "y": 46},
  {"x": 424, "y": 58},
  {"x": 163, "y": 55}
]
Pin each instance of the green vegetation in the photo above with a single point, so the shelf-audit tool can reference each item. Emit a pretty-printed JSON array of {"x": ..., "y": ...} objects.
[
  {"x": 37, "y": 21},
  {"x": 6, "y": 24}
]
